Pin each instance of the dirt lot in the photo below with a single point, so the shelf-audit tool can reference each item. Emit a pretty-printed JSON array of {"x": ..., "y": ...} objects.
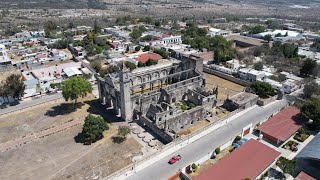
[
  {"x": 194, "y": 128},
  {"x": 225, "y": 87},
  {"x": 59, "y": 157},
  {"x": 39, "y": 118},
  {"x": 5, "y": 74}
]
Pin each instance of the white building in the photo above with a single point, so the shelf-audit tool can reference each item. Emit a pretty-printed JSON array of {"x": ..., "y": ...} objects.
[
  {"x": 251, "y": 75},
  {"x": 4, "y": 59},
  {"x": 220, "y": 32},
  {"x": 221, "y": 69},
  {"x": 233, "y": 64},
  {"x": 281, "y": 35}
]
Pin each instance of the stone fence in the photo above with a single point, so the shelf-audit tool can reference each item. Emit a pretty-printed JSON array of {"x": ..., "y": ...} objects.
[{"x": 226, "y": 76}]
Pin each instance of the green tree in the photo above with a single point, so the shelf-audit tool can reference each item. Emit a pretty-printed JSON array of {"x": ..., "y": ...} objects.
[
  {"x": 13, "y": 86},
  {"x": 157, "y": 24},
  {"x": 130, "y": 65},
  {"x": 262, "y": 89},
  {"x": 194, "y": 167},
  {"x": 308, "y": 67},
  {"x": 74, "y": 88},
  {"x": 257, "y": 29},
  {"x": 217, "y": 150},
  {"x": 93, "y": 128},
  {"x": 141, "y": 64},
  {"x": 50, "y": 28},
  {"x": 135, "y": 34},
  {"x": 311, "y": 89},
  {"x": 146, "y": 48},
  {"x": 162, "y": 53},
  {"x": 175, "y": 25},
  {"x": 311, "y": 110},
  {"x": 96, "y": 27},
  {"x": 151, "y": 62},
  {"x": 286, "y": 165},
  {"x": 137, "y": 48},
  {"x": 258, "y": 66},
  {"x": 290, "y": 50},
  {"x": 96, "y": 65},
  {"x": 267, "y": 37},
  {"x": 71, "y": 25}
]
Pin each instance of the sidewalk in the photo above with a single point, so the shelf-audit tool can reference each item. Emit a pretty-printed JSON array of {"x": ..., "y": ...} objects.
[
  {"x": 27, "y": 103},
  {"x": 176, "y": 147}
]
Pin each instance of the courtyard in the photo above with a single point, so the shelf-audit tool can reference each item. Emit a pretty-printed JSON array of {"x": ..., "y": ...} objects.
[{"x": 225, "y": 88}]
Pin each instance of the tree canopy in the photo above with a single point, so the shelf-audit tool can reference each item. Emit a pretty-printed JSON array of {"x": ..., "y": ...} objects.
[
  {"x": 75, "y": 87},
  {"x": 308, "y": 68},
  {"x": 311, "y": 89},
  {"x": 267, "y": 37},
  {"x": 258, "y": 66},
  {"x": 162, "y": 53},
  {"x": 198, "y": 39},
  {"x": 257, "y": 29},
  {"x": 311, "y": 110},
  {"x": 93, "y": 128},
  {"x": 13, "y": 87},
  {"x": 262, "y": 89}
]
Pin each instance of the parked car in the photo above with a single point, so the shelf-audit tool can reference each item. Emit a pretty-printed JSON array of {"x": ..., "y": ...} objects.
[{"x": 174, "y": 159}]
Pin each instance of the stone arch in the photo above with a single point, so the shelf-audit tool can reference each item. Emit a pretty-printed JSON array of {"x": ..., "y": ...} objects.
[
  {"x": 155, "y": 75},
  {"x": 146, "y": 78},
  {"x": 163, "y": 73},
  {"x": 138, "y": 80}
]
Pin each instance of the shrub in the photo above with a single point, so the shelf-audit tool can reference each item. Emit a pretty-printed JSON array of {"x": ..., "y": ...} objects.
[
  {"x": 286, "y": 165},
  {"x": 194, "y": 167},
  {"x": 217, "y": 150},
  {"x": 237, "y": 139},
  {"x": 262, "y": 89},
  {"x": 118, "y": 139},
  {"x": 123, "y": 130},
  {"x": 137, "y": 48}
]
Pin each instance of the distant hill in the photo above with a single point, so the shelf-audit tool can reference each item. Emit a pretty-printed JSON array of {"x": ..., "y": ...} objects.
[
  {"x": 102, "y": 4},
  {"x": 54, "y": 4}
]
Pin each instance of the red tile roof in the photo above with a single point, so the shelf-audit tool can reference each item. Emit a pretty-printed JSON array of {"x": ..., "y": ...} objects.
[
  {"x": 282, "y": 125},
  {"x": 304, "y": 176},
  {"x": 114, "y": 44},
  {"x": 248, "y": 161},
  {"x": 146, "y": 56}
]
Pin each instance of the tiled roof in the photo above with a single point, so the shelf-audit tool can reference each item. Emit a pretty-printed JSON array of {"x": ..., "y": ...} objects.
[
  {"x": 248, "y": 161},
  {"x": 146, "y": 56},
  {"x": 282, "y": 125}
]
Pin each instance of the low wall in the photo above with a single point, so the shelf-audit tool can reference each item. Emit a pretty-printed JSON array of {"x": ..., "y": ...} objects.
[
  {"x": 226, "y": 76},
  {"x": 263, "y": 102}
]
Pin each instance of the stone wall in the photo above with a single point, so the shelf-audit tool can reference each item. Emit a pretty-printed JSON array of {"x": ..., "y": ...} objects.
[
  {"x": 226, "y": 76},
  {"x": 161, "y": 133},
  {"x": 184, "y": 120}
]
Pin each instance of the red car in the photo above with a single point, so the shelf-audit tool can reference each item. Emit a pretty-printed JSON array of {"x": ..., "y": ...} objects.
[{"x": 174, "y": 159}]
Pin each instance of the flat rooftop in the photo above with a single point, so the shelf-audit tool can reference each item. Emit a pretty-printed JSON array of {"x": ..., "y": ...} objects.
[
  {"x": 282, "y": 125},
  {"x": 247, "y": 161},
  {"x": 243, "y": 97}
]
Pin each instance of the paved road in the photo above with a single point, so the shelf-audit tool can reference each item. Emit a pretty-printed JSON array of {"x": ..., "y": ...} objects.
[
  {"x": 200, "y": 148},
  {"x": 30, "y": 103}
]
